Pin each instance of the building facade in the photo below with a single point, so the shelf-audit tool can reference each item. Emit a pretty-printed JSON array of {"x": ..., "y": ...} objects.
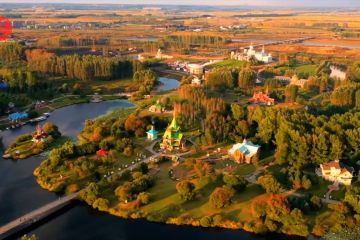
[
  {"x": 173, "y": 138},
  {"x": 245, "y": 152},
  {"x": 337, "y": 172},
  {"x": 262, "y": 98},
  {"x": 152, "y": 134},
  {"x": 250, "y": 53}
]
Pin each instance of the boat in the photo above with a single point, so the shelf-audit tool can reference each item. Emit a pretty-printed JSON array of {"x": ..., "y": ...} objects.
[
  {"x": 6, "y": 156},
  {"x": 39, "y": 119}
]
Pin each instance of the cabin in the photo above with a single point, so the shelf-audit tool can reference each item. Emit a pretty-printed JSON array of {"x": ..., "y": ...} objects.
[
  {"x": 245, "y": 152},
  {"x": 337, "y": 172}
]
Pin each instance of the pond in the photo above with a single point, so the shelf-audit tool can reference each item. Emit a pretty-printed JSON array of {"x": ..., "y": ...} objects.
[{"x": 167, "y": 84}]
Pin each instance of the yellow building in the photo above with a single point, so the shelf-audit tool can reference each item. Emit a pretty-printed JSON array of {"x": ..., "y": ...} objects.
[{"x": 337, "y": 172}]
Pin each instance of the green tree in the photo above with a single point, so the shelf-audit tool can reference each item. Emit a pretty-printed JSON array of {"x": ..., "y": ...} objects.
[
  {"x": 235, "y": 182},
  {"x": 291, "y": 93},
  {"x": 269, "y": 183},
  {"x": 247, "y": 78}
]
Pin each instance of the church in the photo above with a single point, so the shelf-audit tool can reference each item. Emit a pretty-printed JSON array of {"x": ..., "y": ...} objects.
[
  {"x": 250, "y": 53},
  {"x": 173, "y": 138}
]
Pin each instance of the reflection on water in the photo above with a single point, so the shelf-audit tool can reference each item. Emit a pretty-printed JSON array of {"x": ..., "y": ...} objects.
[
  {"x": 167, "y": 84},
  {"x": 19, "y": 192}
]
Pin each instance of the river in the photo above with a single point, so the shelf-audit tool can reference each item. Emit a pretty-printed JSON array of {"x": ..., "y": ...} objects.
[{"x": 20, "y": 194}]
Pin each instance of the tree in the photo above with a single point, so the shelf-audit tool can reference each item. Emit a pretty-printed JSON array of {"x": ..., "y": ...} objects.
[
  {"x": 291, "y": 93},
  {"x": 215, "y": 125},
  {"x": 316, "y": 202},
  {"x": 186, "y": 189},
  {"x": 269, "y": 183},
  {"x": 101, "y": 203},
  {"x": 345, "y": 233},
  {"x": 235, "y": 182},
  {"x": 352, "y": 197},
  {"x": 247, "y": 78},
  {"x": 206, "y": 221},
  {"x": 220, "y": 79},
  {"x": 144, "y": 198},
  {"x": 124, "y": 192},
  {"x": 51, "y": 129},
  {"x": 221, "y": 197},
  {"x": 32, "y": 237}
]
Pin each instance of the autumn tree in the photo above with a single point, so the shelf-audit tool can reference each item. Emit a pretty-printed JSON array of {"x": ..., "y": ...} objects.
[
  {"x": 247, "y": 78},
  {"x": 186, "y": 189},
  {"x": 269, "y": 183},
  {"x": 221, "y": 197}
]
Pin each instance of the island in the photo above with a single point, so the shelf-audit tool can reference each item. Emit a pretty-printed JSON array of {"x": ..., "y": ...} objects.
[{"x": 44, "y": 138}]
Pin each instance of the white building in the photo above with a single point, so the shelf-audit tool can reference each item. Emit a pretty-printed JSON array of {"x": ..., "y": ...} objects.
[
  {"x": 196, "y": 82},
  {"x": 196, "y": 69},
  {"x": 246, "y": 151},
  {"x": 161, "y": 55},
  {"x": 336, "y": 73},
  {"x": 337, "y": 172},
  {"x": 250, "y": 53}
]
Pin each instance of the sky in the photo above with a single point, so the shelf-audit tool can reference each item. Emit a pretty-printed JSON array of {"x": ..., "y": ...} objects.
[{"x": 283, "y": 3}]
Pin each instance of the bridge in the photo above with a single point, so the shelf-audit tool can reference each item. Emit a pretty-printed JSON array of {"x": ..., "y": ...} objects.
[
  {"x": 287, "y": 41},
  {"x": 35, "y": 216}
]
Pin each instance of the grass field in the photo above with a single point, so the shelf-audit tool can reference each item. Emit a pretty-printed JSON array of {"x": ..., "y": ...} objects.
[
  {"x": 307, "y": 69},
  {"x": 228, "y": 63}
]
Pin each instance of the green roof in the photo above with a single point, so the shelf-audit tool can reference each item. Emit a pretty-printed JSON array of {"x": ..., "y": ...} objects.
[
  {"x": 173, "y": 131},
  {"x": 174, "y": 125}
]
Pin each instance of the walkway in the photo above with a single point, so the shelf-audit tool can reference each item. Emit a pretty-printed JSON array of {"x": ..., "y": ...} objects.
[{"x": 36, "y": 215}]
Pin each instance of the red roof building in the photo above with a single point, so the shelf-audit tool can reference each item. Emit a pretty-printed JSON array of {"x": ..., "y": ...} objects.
[
  {"x": 262, "y": 98},
  {"x": 102, "y": 152}
]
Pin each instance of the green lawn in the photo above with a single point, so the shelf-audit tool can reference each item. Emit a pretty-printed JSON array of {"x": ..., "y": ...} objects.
[
  {"x": 229, "y": 63},
  {"x": 306, "y": 69},
  {"x": 65, "y": 101},
  {"x": 245, "y": 169},
  {"x": 320, "y": 188}
]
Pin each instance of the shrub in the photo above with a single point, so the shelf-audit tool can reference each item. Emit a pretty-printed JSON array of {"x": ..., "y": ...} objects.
[{"x": 206, "y": 221}]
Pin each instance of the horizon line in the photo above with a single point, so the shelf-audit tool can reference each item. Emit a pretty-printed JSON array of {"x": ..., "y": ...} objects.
[{"x": 182, "y": 4}]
